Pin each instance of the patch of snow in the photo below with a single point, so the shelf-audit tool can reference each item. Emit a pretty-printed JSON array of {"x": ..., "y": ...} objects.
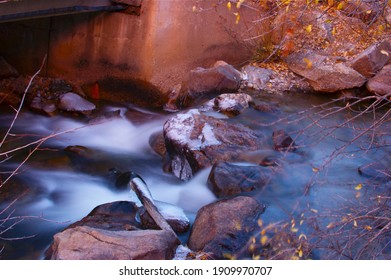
[
  {"x": 180, "y": 128},
  {"x": 137, "y": 182},
  {"x": 181, "y": 252},
  {"x": 172, "y": 212}
]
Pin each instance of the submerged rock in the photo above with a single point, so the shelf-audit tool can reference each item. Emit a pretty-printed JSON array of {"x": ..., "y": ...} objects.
[
  {"x": 381, "y": 83},
  {"x": 227, "y": 179},
  {"x": 323, "y": 73},
  {"x": 375, "y": 170},
  {"x": 72, "y": 102},
  {"x": 87, "y": 243},
  {"x": 195, "y": 141},
  {"x": 224, "y": 227},
  {"x": 283, "y": 142}
]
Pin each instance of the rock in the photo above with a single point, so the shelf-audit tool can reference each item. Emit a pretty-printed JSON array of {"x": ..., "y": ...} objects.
[
  {"x": 231, "y": 104},
  {"x": 43, "y": 106},
  {"x": 221, "y": 78},
  {"x": 257, "y": 77},
  {"x": 105, "y": 116},
  {"x": 174, "y": 215},
  {"x": 195, "y": 141},
  {"x": 9, "y": 98},
  {"x": 115, "y": 216},
  {"x": 7, "y": 70},
  {"x": 370, "y": 61},
  {"x": 58, "y": 86},
  {"x": 273, "y": 82},
  {"x": 138, "y": 116},
  {"x": 265, "y": 107},
  {"x": 227, "y": 179},
  {"x": 87, "y": 243},
  {"x": 381, "y": 83},
  {"x": 362, "y": 10},
  {"x": 324, "y": 74},
  {"x": 224, "y": 227},
  {"x": 71, "y": 102},
  {"x": 375, "y": 170},
  {"x": 156, "y": 142},
  {"x": 283, "y": 142}
]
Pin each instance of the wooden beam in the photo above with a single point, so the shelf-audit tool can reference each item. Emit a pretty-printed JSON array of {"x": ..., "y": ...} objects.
[{"x": 30, "y": 9}]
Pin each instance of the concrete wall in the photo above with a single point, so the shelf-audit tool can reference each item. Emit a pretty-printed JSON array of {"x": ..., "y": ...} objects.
[{"x": 159, "y": 46}]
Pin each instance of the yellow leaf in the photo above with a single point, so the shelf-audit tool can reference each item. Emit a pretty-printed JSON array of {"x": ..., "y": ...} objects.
[
  {"x": 368, "y": 227},
  {"x": 294, "y": 229},
  {"x": 260, "y": 223},
  {"x": 300, "y": 253},
  {"x": 316, "y": 2},
  {"x": 263, "y": 232},
  {"x": 355, "y": 223},
  {"x": 263, "y": 240},
  {"x": 369, "y": 12},
  {"x": 334, "y": 31},
  {"x": 330, "y": 225},
  {"x": 341, "y": 5},
  {"x": 229, "y": 6},
  {"x": 301, "y": 222},
  {"x": 257, "y": 257},
  {"x": 385, "y": 52},
  {"x": 239, "y": 3},
  {"x": 309, "y": 28},
  {"x": 330, "y": 2},
  {"x": 308, "y": 62},
  {"x": 315, "y": 169},
  {"x": 314, "y": 210},
  {"x": 358, "y": 187},
  {"x": 237, "y": 17},
  {"x": 302, "y": 236}
]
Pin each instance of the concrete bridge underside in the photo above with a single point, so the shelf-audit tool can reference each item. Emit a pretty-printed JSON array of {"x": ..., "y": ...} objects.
[{"x": 15, "y": 10}]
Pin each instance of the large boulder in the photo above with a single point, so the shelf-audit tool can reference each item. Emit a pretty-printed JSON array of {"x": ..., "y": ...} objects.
[
  {"x": 87, "y": 243},
  {"x": 323, "y": 73},
  {"x": 113, "y": 231},
  {"x": 227, "y": 179},
  {"x": 224, "y": 227},
  {"x": 220, "y": 78},
  {"x": 370, "y": 61},
  {"x": 195, "y": 141},
  {"x": 381, "y": 83}
]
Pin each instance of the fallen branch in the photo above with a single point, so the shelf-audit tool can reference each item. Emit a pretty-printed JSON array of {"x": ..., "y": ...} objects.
[{"x": 138, "y": 185}]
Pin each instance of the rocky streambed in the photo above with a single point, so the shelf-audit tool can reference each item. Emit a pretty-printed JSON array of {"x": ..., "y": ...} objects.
[{"x": 242, "y": 173}]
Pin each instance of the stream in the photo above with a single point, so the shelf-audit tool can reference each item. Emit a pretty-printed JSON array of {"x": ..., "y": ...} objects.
[{"x": 61, "y": 190}]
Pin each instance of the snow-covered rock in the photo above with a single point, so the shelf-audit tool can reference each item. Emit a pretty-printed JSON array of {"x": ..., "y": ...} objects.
[{"x": 195, "y": 141}]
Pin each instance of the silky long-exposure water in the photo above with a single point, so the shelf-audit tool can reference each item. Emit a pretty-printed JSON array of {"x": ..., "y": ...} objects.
[{"x": 61, "y": 190}]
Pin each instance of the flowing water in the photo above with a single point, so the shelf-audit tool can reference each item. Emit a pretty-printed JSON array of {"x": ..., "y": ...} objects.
[{"x": 62, "y": 191}]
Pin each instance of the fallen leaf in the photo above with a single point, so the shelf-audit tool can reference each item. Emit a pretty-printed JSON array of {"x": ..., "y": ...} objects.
[
  {"x": 385, "y": 52},
  {"x": 358, "y": 187}
]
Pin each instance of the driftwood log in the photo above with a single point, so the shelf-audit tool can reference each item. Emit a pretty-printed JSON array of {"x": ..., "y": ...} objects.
[{"x": 138, "y": 185}]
